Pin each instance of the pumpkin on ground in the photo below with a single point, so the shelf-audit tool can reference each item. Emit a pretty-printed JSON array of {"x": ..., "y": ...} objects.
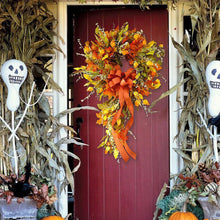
[
  {"x": 183, "y": 216},
  {"x": 53, "y": 217}
]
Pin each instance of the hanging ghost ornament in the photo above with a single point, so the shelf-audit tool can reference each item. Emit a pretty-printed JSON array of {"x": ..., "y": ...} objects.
[
  {"x": 213, "y": 81},
  {"x": 13, "y": 73}
]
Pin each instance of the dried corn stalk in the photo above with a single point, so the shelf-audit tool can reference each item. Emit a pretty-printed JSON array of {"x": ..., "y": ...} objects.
[
  {"x": 195, "y": 145},
  {"x": 27, "y": 34}
]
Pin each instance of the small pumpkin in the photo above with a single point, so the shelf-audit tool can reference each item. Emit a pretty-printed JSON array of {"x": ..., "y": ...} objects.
[
  {"x": 53, "y": 217},
  {"x": 183, "y": 216}
]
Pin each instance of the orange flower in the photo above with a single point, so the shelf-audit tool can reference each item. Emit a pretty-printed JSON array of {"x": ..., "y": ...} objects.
[
  {"x": 94, "y": 47},
  {"x": 87, "y": 49},
  {"x": 113, "y": 44},
  {"x": 124, "y": 52},
  {"x": 94, "y": 56},
  {"x": 137, "y": 102},
  {"x": 157, "y": 66},
  {"x": 135, "y": 64},
  {"x": 145, "y": 102},
  {"x": 101, "y": 51},
  {"x": 90, "y": 89},
  {"x": 136, "y": 36}
]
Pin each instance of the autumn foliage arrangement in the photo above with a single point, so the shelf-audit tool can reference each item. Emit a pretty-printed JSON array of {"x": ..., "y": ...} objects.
[
  {"x": 189, "y": 188},
  {"x": 121, "y": 90},
  {"x": 37, "y": 188}
]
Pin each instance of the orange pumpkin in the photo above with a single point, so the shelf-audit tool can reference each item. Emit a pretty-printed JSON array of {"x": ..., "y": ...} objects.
[
  {"x": 183, "y": 216},
  {"x": 53, "y": 217}
]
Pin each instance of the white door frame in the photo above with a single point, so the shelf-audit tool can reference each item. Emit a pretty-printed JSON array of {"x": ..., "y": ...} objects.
[{"x": 60, "y": 76}]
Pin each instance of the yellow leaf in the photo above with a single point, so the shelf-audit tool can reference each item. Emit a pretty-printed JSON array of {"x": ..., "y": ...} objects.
[
  {"x": 150, "y": 52},
  {"x": 101, "y": 145},
  {"x": 136, "y": 36},
  {"x": 140, "y": 96},
  {"x": 105, "y": 112},
  {"x": 90, "y": 89},
  {"x": 136, "y": 94},
  {"x": 150, "y": 63},
  {"x": 112, "y": 43},
  {"x": 119, "y": 122},
  {"x": 107, "y": 149},
  {"x": 100, "y": 90},
  {"x": 156, "y": 84},
  {"x": 115, "y": 153},
  {"x": 86, "y": 76},
  {"x": 105, "y": 57},
  {"x": 112, "y": 108},
  {"x": 151, "y": 43},
  {"x": 137, "y": 76},
  {"x": 80, "y": 68},
  {"x": 145, "y": 102},
  {"x": 101, "y": 51},
  {"x": 135, "y": 64}
]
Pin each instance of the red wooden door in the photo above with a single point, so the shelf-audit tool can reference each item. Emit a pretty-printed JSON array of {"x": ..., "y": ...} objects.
[{"x": 105, "y": 189}]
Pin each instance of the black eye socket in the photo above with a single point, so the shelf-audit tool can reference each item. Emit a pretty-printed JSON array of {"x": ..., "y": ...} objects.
[
  {"x": 214, "y": 71},
  {"x": 11, "y": 67},
  {"x": 21, "y": 67}
]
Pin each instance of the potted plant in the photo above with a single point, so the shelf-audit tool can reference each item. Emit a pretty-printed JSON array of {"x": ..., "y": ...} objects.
[{"x": 200, "y": 190}]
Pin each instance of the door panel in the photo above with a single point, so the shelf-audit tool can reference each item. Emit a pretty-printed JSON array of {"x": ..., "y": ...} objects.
[{"x": 105, "y": 189}]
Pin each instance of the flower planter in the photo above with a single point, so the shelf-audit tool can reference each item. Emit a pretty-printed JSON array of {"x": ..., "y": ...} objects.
[
  {"x": 211, "y": 211},
  {"x": 26, "y": 210}
]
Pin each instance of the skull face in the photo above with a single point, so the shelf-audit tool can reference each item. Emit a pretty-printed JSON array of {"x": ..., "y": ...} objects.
[
  {"x": 213, "y": 81},
  {"x": 13, "y": 73}
]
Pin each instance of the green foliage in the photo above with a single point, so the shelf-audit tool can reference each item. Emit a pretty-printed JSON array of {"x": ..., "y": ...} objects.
[
  {"x": 171, "y": 203},
  {"x": 196, "y": 210},
  {"x": 174, "y": 202},
  {"x": 46, "y": 210}
]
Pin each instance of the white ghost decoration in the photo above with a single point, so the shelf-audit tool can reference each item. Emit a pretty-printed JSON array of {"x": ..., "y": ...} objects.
[
  {"x": 13, "y": 73},
  {"x": 213, "y": 81}
]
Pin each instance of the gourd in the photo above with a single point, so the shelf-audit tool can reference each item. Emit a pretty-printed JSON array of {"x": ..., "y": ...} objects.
[
  {"x": 53, "y": 217},
  {"x": 183, "y": 216}
]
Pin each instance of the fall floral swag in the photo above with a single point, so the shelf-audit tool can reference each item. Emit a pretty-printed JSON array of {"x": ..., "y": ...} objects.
[{"x": 105, "y": 58}]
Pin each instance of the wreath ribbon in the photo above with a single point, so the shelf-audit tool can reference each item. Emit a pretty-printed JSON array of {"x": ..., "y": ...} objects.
[{"x": 121, "y": 83}]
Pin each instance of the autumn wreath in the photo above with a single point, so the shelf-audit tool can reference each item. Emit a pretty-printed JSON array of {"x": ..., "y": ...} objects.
[{"x": 105, "y": 58}]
